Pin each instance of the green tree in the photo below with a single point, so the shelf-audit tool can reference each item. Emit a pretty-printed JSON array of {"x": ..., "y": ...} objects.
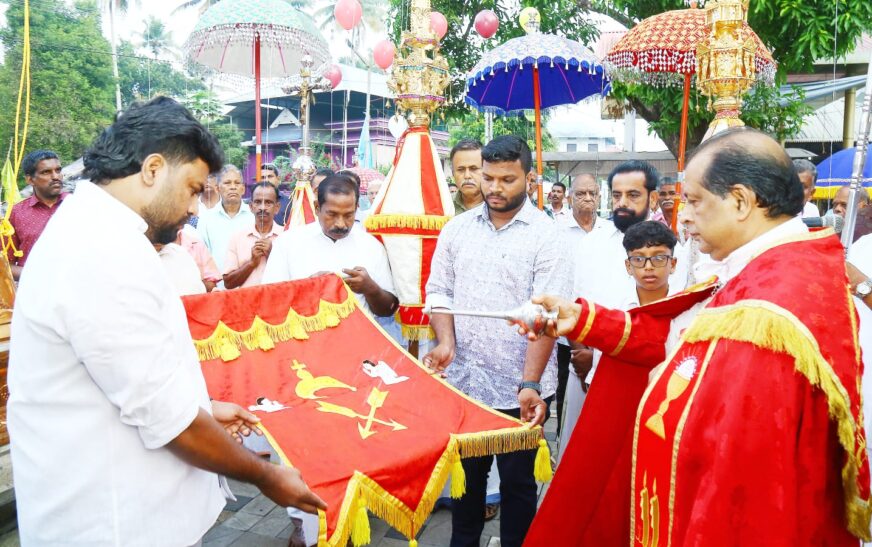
[
  {"x": 471, "y": 126},
  {"x": 462, "y": 46},
  {"x": 71, "y": 75},
  {"x": 143, "y": 78},
  {"x": 797, "y": 33},
  {"x": 207, "y": 108},
  {"x": 155, "y": 37}
]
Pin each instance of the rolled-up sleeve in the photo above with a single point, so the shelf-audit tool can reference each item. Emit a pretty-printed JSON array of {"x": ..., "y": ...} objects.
[
  {"x": 134, "y": 357},
  {"x": 440, "y": 285}
]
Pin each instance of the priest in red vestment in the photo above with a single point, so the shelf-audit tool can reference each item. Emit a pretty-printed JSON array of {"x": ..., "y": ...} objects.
[{"x": 729, "y": 414}]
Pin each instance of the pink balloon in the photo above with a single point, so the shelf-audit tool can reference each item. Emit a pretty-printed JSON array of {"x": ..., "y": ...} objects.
[
  {"x": 486, "y": 23},
  {"x": 383, "y": 54},
  {"x": 334, "y": 74},
  {"x": 439, "y": 24},
  {"x": 348, "y": 13}
]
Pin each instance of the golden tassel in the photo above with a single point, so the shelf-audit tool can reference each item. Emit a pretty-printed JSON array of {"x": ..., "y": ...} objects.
[
  {"x": 458, "y": 478},
  {"x": 542, "y": 468},
  {"x": 229, "y": 350},
  {"x": 360, "y": 532},
  {"x": 413, "y": 543}
]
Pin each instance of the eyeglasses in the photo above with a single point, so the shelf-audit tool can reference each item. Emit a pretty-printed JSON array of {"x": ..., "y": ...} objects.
[{"x": 658, "y": 261}]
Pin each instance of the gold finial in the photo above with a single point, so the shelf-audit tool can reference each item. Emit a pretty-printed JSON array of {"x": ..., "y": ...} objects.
[{"x": 420, "y": 74}]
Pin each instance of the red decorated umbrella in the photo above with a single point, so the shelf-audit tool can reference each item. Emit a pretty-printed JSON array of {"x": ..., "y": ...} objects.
[
  {"x": 367, "y": 176},
  {"x": 661, "y": 50}
]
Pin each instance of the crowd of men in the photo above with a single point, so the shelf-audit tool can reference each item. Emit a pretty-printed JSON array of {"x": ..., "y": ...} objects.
[{"x": 499, "y": 251}]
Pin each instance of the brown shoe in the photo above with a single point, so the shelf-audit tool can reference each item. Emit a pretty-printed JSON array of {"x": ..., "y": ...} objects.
[{"x": 491, "y": 510}]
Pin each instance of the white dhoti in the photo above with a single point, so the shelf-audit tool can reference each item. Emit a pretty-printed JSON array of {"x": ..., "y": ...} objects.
[{"x": 571, "y": 411}]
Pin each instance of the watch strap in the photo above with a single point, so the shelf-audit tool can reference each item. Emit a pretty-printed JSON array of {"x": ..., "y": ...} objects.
[{"x": 535, "y": 386}]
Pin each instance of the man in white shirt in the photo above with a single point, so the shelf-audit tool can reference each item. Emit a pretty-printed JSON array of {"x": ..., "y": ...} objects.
[
  {"x": 217, "y": 225},
  {"x": 561, "y": 214},
  {"x": 332, "y": 246},
  {"x": 180, "y": 266},
  {"x": 115, "y": 442},
  {"x": 808, "y": 177}
]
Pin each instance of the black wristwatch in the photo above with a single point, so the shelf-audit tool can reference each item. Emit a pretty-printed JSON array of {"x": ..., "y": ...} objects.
[{"x": 535, "y": 386}]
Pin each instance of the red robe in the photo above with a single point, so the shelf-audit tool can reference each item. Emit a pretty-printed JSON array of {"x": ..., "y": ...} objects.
[{"x": 750, "y": 435}]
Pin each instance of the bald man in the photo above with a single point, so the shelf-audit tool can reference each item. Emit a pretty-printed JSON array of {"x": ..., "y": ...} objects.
[
  {"x": 751, "y": 431},
  {"x": 840, "y": 201}
]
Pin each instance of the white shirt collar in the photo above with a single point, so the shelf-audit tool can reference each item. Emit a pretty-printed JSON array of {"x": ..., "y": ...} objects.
[{"x": 733, "y": 264}]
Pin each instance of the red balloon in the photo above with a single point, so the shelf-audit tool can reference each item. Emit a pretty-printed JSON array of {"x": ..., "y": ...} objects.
[
  {"x": 334, "y": 74},
  {"x": 348, "y": 13},
  {"x": 486, "y": 23},
  {"x": 383, "y": 54},
  {"x": 439, "y": 24}
]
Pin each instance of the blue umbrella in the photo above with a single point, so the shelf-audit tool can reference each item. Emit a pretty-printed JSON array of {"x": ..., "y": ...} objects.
[
  {"x": 835, "y": 172},
  {"x": 535, "y": 71}
]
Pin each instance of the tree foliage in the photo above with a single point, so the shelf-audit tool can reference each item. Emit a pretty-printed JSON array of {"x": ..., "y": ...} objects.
[
  {"x": 797, "y": 33},
  {"x": 143, "y": 78},
  {"x": 71, "y": 74},
  {"x": 471, "y": 126}
]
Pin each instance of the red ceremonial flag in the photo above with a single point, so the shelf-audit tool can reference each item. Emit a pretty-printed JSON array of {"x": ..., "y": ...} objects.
[{"x": 367, "y": 425}]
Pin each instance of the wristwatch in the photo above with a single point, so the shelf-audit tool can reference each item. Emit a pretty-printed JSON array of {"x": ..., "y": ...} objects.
[
  {"x": 535, "y": 386},
  {"x": 864, "y": 288}
]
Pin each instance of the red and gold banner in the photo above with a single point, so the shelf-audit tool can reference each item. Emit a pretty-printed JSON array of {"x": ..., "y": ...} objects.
[{"x": 367, "y": 425}]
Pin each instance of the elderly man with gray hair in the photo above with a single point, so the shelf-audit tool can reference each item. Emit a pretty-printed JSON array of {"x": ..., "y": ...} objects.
[
  {"x": 219, "y": 223},
  {"x": 807, "y": 176}
]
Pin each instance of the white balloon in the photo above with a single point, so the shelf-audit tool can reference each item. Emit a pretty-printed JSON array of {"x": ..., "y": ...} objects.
[{"x": 397, "y": 125}]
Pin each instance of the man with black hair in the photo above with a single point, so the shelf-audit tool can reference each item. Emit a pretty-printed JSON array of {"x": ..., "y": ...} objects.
[
  {"x": 557, "y": 204},
  {"x": 465, "y": 158},
  {"x": 807, "y": 172},
  {"x": 116, "y": 440},
  {"x": 495, "y": 257},
  {"x": 757, "y": 405},
  {"x": 319, "y": 176},
  {"x": 249, "y": 248},
  {"x": 42, "y": 171},
  {"x": 331, "y": 245}
]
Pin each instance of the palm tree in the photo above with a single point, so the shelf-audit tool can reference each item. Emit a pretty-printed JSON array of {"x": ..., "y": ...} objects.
[
  {"x": 112, "y": 6},
  {"x": 201, "y": 5},
  {"x": 155, "y": 37}
]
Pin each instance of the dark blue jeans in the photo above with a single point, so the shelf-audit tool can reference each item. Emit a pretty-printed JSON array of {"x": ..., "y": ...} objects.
[{"x": 518, "y": 496}]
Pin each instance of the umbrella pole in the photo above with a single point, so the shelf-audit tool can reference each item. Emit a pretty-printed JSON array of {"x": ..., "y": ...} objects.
[
  {"x": 537, "y": 101},
  {"x": 682, "y": 146},
  {"x": 257, "y": 140}
]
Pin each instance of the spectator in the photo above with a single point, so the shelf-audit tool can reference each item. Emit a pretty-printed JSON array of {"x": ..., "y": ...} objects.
[
  {"x": 217, "y": 225},
  {"x": 42, "y": 171},
  {"x": 808, "y": 177},
  {"x": 249, "y": 248},
  {"x": 465, "y": 160}
]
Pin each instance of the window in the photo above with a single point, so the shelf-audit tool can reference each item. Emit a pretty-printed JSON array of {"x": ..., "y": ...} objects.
[
  {"x": 593, "y": 147},
  {"x": 572, "y": 147}
]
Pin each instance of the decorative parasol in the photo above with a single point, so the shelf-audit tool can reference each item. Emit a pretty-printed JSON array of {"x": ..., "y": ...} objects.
[
  {"x": 239, "y": 37},
  {"x": 535, "y": 71},
  {"x": 837, "y": 171},
  {"x": 661, "y": 50},
  {"x": 367, "y": 176}
]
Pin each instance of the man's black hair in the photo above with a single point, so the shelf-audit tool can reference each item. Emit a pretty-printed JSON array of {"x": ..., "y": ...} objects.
[
  {"x": 30, "y": 161},
  {"x": 772, "y": 177},
  {"x": 271, "y": 167},
  {"x": 560, "y": 184},
  {"x": 508, "y": 148},
  {"x": 648, "y": 233},
  {"x": 355, "y": 178},
  {"x": 464, "y": 144},
  {"x": 324, "y": 172},
  {"x": 652, "y": 177},
  {"x": 338, "y": 185},
  {"x": 160, "y": 126},
  {"x": 265, "y": 184}
]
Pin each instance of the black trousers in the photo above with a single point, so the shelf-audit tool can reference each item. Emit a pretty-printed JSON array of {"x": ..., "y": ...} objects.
[
  {"x": 518, "y": 496},
  {"x": 563, "y": 357}
]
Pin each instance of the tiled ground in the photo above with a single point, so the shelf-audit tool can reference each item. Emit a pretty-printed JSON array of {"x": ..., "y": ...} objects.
[{"x": 255, "y": 521}]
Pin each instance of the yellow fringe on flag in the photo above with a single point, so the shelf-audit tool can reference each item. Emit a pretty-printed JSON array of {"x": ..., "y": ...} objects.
[
  {"x": 417, "y": 333},
  {"x": 409, "y": 222},
  {"x": 360, "y": 532},
  {"x": 227, "y": 343},
  {"x": 542, "y": 468},
  {"x": 771, "y": 327},
  {"x": 458, "y": 478},
  {"x": 413, "y": 543}
]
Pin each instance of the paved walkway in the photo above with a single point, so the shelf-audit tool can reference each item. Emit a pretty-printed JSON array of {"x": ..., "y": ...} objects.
[{"x": 255, "y": 521}]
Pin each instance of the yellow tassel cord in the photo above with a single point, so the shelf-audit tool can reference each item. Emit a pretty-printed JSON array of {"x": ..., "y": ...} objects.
[
  {"x": 413, "y": 543},
  {"x": 417, "y": 333},
  {"x": 771, "y": 327},
  {"x": 542, "y": 468},
  {"x": 227, "y": 343},
  {"x": 360, "y": 532},
  {"x": 458, "y": 478},
  {"x": 408, "y": 222}
]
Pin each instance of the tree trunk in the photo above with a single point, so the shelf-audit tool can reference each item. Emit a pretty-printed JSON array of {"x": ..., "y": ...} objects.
[{"x": 114, "y": 56}]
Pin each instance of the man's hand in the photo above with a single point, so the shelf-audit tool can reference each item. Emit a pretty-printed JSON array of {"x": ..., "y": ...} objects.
[
  {"x": 567, "y": 317},
  {"x": 439, "y": 357},
  {"x": 264, "y": 246},
  {"x": 235, "y": 420},
  {"x": 359, "y": 281},
  {"x": 532, "y": 407},
  {"x": 582, "y": 361},
  {"x": 285, "y": 486}
]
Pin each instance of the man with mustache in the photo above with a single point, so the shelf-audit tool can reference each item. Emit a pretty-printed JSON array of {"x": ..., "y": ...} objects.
[
  {"x": 331, "y": 246},
  {"x": 217, "y": 225},
  {"x": 115, "y": 439},
  {"x": 465, "y": 160},
  {"x": 666, "y": 195},
  {"x": 250, "y": 247},
  {"x": 495, "y": 257},
  {"x": 42, "y": 171}
]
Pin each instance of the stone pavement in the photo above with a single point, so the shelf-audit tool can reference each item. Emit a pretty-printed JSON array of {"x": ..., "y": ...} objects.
[{"x": 255, "y": 521}]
